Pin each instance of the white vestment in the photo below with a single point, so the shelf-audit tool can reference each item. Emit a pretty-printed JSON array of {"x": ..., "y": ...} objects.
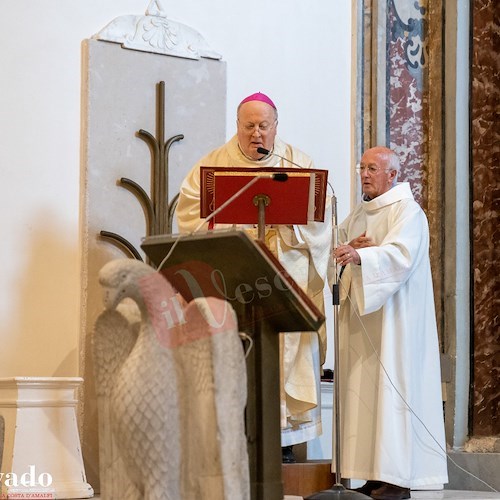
[
  {"x": 304, "y": 252},
  {"x": 395, "y": 337}
]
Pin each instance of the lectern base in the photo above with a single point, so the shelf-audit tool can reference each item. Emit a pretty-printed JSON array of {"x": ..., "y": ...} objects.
[{"x": 338, "y": 492}]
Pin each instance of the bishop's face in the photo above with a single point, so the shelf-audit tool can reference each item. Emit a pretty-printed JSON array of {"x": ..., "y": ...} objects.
[
  {"x": 375, "y": 174},
  {"x": 257, "y": 122}
]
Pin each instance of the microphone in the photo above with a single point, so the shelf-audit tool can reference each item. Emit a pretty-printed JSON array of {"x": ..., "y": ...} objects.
[
  {"x": 265, "y": 151},
  {"x": 279, "y": 177}
]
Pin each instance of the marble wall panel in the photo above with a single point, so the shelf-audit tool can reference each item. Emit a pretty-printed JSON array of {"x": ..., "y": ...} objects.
[
  {"x": 485, "y": 147},
  {"x": 407, "y": 91},
  {"x": 414, "y": 115}
]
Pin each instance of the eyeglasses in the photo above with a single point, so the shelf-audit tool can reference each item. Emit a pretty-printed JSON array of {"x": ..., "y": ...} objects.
[
  {"x": 262, "y": 127},
  {"x": 371, "y": 169}
]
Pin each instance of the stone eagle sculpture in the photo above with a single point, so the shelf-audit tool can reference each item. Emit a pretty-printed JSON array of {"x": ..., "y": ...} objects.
[{"x": 171, "y": 391}]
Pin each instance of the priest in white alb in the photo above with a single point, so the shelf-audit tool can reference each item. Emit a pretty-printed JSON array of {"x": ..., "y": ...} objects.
[
  {"x": 392, "y": 424},
  {"x": 303, "y": 251}
]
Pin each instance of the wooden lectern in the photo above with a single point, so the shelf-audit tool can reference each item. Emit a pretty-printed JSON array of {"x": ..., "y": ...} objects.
[{"x": 230, "y": 265}]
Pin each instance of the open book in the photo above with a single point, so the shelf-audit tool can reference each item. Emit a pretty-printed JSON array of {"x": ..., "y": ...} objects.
[{"x": 298, "y": 199}]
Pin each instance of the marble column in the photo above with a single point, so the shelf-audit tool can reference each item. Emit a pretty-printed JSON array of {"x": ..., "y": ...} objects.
[
  {"x": 399, "y": 104},
  {"x": 402, "y": 89},
  {"x": 485, "y": 175}
]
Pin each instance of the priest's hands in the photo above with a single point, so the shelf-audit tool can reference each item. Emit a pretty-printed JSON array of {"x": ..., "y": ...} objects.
[
  {"x": 347, "y": 254},
  {"x": 362, "y": 241}
]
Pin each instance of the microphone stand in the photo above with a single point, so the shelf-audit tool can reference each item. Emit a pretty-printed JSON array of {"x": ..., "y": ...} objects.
[
  {"x": 266, "y": 152},
  {"x": 338, "y": 490},
  {"x": 213, "y": 214}
]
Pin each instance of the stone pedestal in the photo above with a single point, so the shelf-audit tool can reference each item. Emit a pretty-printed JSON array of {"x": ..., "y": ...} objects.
[{"x": 39, "y": 442}]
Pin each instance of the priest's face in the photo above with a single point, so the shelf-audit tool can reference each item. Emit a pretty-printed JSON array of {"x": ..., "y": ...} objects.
[
  {"x": 257, "y": 122},
  {"x": 375, "y": 173}
]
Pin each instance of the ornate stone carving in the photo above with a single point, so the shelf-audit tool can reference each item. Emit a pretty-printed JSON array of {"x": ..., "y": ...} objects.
[{"x": 153, "y": 32}]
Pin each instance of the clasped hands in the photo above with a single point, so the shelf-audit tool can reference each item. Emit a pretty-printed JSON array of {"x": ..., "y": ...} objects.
[{"x": 347, "y": 254}]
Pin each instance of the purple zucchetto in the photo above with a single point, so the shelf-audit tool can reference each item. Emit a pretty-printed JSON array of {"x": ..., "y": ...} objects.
[{"x": 258, "y": 96}]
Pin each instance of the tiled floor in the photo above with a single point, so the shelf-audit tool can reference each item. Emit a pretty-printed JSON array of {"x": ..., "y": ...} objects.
[
  {"x": 453, "y": 494},
  {"x": 437, "y": 495}
]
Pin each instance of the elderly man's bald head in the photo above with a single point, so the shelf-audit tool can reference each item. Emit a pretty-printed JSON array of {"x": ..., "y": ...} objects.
[
  {"x": 379, "y": 169},
  {"x": 257, "y": 119}
]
